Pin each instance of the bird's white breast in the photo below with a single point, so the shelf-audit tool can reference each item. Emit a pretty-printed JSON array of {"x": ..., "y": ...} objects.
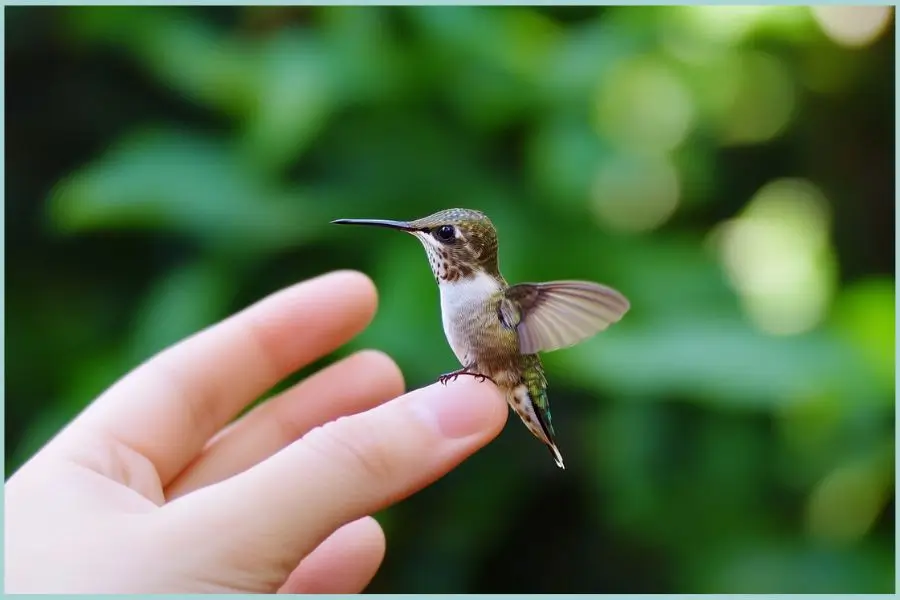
[{"x": 460, "y": 300}]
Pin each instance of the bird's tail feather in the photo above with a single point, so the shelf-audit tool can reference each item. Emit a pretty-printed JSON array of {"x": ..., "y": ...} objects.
[{"x": 534, "y": 414}]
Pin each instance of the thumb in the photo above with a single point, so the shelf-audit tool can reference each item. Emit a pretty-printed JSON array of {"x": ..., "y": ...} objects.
[{"x": 281, "y": 509}]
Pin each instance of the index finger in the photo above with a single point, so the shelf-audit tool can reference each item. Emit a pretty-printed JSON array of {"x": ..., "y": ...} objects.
[{"x": 169, "y": 407}]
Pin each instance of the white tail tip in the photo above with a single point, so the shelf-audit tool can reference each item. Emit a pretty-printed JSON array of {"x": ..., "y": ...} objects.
[{"x": 557, "y": 457}]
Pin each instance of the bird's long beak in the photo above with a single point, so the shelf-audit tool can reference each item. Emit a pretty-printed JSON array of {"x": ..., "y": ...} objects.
[{"x": 401, "y": 225}]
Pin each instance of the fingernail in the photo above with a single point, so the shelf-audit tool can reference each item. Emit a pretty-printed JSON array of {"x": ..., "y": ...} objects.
[{"x": 456, "y": 413}]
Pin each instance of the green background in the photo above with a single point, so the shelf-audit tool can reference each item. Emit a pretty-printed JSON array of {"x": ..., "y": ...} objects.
[{"x": 730, "y": 170}]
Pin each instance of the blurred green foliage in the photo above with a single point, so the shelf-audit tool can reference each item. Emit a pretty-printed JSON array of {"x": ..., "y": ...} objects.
[{"x": 729, "y": 169}]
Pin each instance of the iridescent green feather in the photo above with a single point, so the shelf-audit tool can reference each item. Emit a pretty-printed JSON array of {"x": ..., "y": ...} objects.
[{"x": 533, "y": 377}]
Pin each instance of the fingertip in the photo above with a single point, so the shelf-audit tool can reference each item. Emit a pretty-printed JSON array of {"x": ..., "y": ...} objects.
[
  {"x": 357, "y": 283},
  {"x": 381, "y": 362},
  {"x": 344, "y": 563},
  {"x": 372, "y": 536},
  {"x": 345, "y": 291},
  {"x": 462, "y": 408},
  {"x": 491, "y": 400}
]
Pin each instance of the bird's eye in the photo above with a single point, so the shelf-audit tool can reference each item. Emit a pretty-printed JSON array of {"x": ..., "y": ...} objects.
[{"x": 445, "y": 233}]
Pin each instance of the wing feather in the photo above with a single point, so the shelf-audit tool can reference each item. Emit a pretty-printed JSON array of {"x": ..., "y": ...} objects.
[{"x": 556, "y": 314}]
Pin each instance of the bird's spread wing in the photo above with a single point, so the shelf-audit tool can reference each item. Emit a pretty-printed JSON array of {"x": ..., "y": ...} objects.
[{"x": 556, "y": 314}]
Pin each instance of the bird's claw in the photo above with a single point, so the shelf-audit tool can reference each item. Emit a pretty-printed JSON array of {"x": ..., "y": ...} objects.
[
  {"x": 454, "y": 375},
  {"x": 447, "y": 377}
]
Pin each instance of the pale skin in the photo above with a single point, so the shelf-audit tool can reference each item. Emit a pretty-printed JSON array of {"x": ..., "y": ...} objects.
[{"x": 154, "y": 488}]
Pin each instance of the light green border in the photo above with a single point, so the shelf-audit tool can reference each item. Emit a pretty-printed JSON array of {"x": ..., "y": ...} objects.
[
  {"x": 436, "y": 2},
  {"x": 3, "y": 294},
  {"x": 461, "y": 2}
]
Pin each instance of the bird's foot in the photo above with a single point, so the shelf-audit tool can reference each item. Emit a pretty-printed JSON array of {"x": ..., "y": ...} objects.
[{"x": 453, "y": 375}]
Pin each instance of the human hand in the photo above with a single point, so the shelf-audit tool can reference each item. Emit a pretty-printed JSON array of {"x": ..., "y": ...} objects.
[{"x": 148, "y": 490}]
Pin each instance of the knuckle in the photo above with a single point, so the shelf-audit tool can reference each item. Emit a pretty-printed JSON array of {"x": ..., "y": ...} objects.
[
  {"x": 354, "y": 445},
  {"x": 288, "y": 426}
]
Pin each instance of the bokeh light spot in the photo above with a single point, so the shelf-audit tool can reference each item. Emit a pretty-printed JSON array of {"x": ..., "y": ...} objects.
[
  {"x": 731, "y": 24},
  {"x": 763, "y": 103},
  {"x": 778, "y": 256},
  {"x": 644, "y": 105},
  {"x": 853, "y": 26},
  {"x": 846, "y": 502},
  {"x": 635, "y": 193}
]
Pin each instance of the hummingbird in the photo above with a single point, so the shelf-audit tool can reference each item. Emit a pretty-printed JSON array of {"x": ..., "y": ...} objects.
[{"x": 497, "y": 330}]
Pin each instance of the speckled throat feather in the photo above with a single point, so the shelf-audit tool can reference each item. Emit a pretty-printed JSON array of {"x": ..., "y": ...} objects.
[{"x": 474, "y": 249}]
